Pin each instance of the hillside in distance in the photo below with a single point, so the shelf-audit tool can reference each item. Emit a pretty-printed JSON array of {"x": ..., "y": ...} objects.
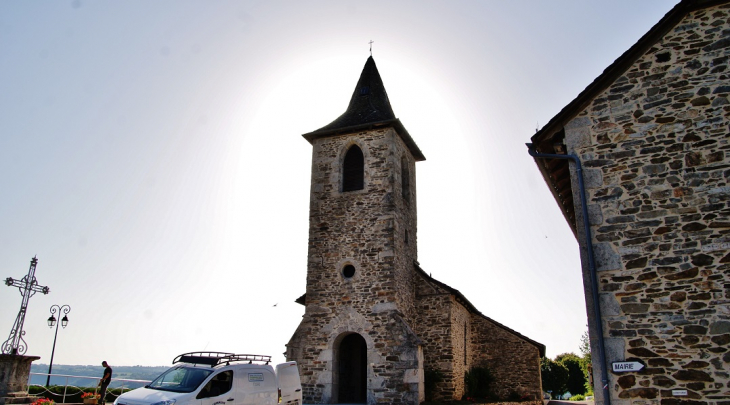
[{"x": 72, "y": 373}]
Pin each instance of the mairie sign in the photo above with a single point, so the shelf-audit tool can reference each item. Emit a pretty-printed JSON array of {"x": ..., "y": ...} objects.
[{"x": 624, "y": 366}]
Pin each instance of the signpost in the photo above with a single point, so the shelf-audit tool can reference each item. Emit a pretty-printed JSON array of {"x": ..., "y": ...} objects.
[{"x": 625, "y": 366}]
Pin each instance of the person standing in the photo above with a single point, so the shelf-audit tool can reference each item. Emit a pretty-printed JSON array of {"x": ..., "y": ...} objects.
[{"x": 104, "y": 382}]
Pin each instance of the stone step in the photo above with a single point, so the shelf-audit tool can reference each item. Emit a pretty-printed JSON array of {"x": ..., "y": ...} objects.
[
  {"x": 19, "y": 400},
  {"x": 18, "y": 394}
]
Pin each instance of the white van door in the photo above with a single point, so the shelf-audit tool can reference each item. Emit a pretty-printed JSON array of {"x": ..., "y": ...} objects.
[
  {"x": 287, "y": 378},
  {"x": 219, "y": 390},
  {"x": 258, "y": 386}
]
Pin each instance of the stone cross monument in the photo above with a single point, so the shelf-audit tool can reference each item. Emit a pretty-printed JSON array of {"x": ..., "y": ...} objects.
[
  {"x": 14, "y": 366},
  {"x": 28, "y": 286}
]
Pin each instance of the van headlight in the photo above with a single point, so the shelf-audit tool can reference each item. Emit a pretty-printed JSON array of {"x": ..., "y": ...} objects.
[{"x": 167, "y": 402}]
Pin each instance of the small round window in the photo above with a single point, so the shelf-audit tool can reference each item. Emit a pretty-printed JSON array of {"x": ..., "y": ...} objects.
[{"x": 348, "y": 271}]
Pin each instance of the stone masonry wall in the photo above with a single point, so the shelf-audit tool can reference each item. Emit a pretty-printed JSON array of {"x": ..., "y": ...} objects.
[
  {"x": 460, "y": 333},
  {"x": 364, "y": 229},
  {"x": 656, "y": 155},
  {"x": 513, "y": 361},
  {"x": 405, "y": 225},
  {"x": 434, "y": 327}
]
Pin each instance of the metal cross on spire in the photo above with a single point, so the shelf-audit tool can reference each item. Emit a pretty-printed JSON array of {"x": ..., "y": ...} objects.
[
  {"x": 371, "y": 47},
  {"x": 28, "y": 286}
]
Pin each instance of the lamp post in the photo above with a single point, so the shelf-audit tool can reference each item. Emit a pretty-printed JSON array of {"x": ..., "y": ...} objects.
[{"x": 52, "y": 321}]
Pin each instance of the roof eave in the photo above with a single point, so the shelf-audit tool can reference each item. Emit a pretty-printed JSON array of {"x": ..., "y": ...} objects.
[
  {"x": 395, "y": 123},
  {"x": 545, "y": 172}
]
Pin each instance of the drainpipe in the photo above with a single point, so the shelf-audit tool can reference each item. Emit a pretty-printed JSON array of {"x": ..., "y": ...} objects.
[{"x": 591, "y": 262}]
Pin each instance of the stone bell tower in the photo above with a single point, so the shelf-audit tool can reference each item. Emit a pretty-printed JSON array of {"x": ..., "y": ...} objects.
[{"x": 355, "y": 342}]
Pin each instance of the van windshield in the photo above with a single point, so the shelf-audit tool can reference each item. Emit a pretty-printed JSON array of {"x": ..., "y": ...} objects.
[{"x": 180, "y": 379}]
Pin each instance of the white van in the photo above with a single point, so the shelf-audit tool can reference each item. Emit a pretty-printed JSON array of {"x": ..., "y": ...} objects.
[{"x": 214, "y": 378}]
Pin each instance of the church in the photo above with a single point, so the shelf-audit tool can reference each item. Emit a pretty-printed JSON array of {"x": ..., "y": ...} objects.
[{"x": 377, "y": 328}]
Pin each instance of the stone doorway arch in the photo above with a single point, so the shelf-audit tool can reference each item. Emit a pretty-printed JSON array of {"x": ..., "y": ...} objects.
[{"x": 351, "y": 369}]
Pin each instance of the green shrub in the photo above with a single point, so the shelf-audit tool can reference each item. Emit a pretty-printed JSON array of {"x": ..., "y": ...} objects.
[
  {"x": 478, "y": 381},
  {"x": 55, "y": 392},
  {"x": 579, "y": 397}
]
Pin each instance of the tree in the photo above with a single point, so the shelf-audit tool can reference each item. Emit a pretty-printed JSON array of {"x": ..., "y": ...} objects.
[
  {"x": 576, "y": 383},
  {"x": 586, "y": 366},
  {"x": 585, "y": 345},
  {"x": 554, "y": 376}
]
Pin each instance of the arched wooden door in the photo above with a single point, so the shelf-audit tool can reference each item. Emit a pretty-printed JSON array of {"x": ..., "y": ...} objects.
[{"x": 352, "y": 369}]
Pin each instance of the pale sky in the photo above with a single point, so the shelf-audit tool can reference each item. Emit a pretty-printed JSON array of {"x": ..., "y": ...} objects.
[{"x": 152, "y": 158}]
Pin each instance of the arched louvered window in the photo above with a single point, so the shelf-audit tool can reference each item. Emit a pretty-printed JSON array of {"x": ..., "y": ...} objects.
[{"x": 353, "y": 170}]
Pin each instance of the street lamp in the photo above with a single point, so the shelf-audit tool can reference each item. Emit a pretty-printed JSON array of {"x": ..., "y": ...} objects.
[{"x": 52, "y": 321}]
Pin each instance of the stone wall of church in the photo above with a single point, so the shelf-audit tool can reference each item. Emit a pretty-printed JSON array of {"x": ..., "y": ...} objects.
[
  {"x": 433, "y": 327},
  {"x": 513, "y": 361},
  {"x": 405, "y": 223},
  {"x": 354, "y": 227},
  {"x": 655, "y": 147},
  {"x": 452, "y": 350},
  {"x": 460, "y": 334}
]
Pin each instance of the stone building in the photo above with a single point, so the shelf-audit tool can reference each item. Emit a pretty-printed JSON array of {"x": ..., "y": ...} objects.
[
  {"x": 375, "y": 323},
  {"x": 651, "y": 138}
]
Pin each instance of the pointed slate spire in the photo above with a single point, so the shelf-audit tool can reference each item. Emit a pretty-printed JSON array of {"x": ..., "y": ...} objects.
[
  {"x": 369, "y": 107},
  {"x": 369, "y": 102}
]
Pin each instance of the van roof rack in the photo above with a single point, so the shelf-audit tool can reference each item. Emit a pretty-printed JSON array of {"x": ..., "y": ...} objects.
[{"x": 215, "y": 358}]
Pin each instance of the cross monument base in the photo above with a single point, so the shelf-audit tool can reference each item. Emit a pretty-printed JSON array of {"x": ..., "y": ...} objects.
[{"x": 14, "y": 376}]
